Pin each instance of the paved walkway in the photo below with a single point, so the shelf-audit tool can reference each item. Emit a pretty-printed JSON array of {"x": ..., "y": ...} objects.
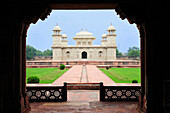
[
  {"x": 84, "y": 74},
  {"x": 83, "y": 101},
  {"x": 71, "y": 76},
  {"x": 97, "y": 76}
]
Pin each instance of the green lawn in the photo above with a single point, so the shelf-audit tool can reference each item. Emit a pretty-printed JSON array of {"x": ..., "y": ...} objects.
[
  {"x": 123, "y": 75},
  {"x": 46, "y": 75}
]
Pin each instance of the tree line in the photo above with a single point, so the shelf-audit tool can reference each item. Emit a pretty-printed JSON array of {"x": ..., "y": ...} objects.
[
  {"x": 132, "y": 52},
  {"x": 32, "y": 52}
]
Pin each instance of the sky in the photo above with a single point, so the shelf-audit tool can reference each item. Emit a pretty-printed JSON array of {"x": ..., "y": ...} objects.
[{"x": 39, "y": 35}]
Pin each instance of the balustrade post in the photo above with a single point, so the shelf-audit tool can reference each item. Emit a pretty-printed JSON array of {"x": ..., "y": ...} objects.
[
  {"x": 65, "y": 92},
  {"x": 101, "y": 92}
]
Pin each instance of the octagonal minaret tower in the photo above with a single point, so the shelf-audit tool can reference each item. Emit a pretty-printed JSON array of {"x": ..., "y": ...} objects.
[
  {"x": 57, "y": 36},
  {"x": 111, "y": 42},
  {"x": 64, "y": 39},
  {"x": 104, "y": 40},
  {"x": 111, "y": 37},
  {"x": 57, "y": 52}
]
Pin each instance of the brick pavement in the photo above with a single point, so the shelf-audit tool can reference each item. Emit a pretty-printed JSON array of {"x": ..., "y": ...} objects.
[
  {"x": 71, "y": 76},
  {"x": 97, "y": 76}
]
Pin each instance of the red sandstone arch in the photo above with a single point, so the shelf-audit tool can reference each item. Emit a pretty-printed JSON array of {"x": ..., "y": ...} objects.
[{"x": 143, "y": 13}]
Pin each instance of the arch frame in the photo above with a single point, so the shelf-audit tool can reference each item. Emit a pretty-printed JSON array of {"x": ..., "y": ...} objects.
[{"x": 140, "y": 12}]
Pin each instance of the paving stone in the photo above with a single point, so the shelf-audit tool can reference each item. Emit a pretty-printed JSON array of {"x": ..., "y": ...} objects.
[
  {"x": 71, "y": 76},
  {"x": 97, "y": 76}
]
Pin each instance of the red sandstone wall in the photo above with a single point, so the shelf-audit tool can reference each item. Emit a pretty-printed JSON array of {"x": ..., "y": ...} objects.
[{"x": 100, "y": 64}]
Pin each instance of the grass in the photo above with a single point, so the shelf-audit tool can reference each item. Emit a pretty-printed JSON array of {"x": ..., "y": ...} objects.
[
  {"x": 46, "y": 75},
  {"x": 123, "y": 75}
]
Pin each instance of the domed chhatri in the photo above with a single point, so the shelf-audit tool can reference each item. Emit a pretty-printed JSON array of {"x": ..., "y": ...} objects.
[
  {"x": 84, "y": 48},
  {"x": 111, "y": 28},
  {"x": 64, "y": 35},
  {"x": 57, "y": 28},
  {"x": 104, "y": 35}
]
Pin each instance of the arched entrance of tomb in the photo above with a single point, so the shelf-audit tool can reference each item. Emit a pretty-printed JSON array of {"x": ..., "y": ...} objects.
[{"x": 84, "y": 55}]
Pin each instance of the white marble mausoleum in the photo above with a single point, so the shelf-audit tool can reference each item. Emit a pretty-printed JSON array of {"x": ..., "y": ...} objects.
[{"x": 84, "y": 48}]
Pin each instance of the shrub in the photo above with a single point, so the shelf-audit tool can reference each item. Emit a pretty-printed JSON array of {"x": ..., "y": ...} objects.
[
  {"x": 33, "y": 79},
  {"x": 107, "y": 67},
  {"x": 62, "y": 66},
  {"x": 134, "y": 81}
]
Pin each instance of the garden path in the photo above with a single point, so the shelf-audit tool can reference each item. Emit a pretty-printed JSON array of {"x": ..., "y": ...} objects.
[
  {"x": 71, "y": 76},
  {"x": 84, "y": 74},
  {"x": 97, "y": 76}
]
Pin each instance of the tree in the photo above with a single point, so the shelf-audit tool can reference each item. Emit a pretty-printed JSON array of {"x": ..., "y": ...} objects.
[
  {"x": 47, "y": 52},
  {"x": 118, "y": 53},
  {"x": 30, "y": 52},
  {"x": 134, "y": 52},
  {"x": 39, "y": 53}
]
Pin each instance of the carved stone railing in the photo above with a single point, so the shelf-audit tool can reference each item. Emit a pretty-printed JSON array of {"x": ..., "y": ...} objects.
[
  {"x": 119, "y": 93},
  {"x": 47, "y": 93}
]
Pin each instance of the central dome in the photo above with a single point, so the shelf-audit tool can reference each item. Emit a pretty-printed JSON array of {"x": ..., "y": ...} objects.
[{"x": 84, "y": 34}]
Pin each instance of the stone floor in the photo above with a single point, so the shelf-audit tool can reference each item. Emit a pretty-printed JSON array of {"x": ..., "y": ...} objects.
[{"x": 83, "y": 101}]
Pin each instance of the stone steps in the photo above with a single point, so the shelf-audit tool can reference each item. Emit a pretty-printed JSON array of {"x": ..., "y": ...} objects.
[{"x": 83, "y": 86}]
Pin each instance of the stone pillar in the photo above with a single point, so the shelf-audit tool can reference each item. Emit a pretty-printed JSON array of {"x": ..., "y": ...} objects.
[
  {"x": 26, "y": 101},
  {"x": 142, "y": 101},
  {"x": 13, "y": 74},
  {"x": 156, "y": 70}
]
